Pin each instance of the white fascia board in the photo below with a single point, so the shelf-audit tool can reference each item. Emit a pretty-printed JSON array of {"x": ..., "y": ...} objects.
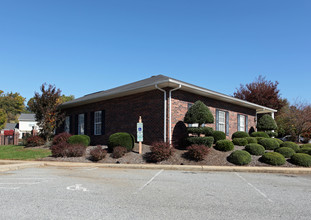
[{"x": 223, "y": 97}]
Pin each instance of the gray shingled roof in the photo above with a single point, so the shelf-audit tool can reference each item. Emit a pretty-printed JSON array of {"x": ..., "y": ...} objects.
[
  {"x": 27, "y": 117},
  {"x": 162, "y": 81},
  {"x": 10, "y": 126}
]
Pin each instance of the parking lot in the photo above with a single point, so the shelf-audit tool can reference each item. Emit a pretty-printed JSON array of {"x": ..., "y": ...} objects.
[{"x": 101, "y": 193}]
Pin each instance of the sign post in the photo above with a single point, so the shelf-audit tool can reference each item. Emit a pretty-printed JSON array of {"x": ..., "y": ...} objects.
[{"x": 140, "y": 136}]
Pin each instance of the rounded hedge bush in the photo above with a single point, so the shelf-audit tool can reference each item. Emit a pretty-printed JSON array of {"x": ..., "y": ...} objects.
[
  {"x": 305, "y": 150},
  {"x": 260, "y": 134},
  {"x": 240, "y": 134},
  {"x": 207, "y": 141},
  {"x": 285, "y": 151},
  {"x": 269, "y": 143},
  {"x": 239, "y": 157},
  {"x": 239, "y": 141},
  {"x": 272, "y": 133},
  {"x": 218, "y": 135},
  {"x": 301, "y": 159},
  {"x": 266, "y": 122},
  {"x": 199, "y": 113},
  {"x": 255, "y": 149},
  {"x": 306, "y": 145},
  {"x": 291, "y": 145},
  {"x": 279, "y": 141},
  {"x": 224, "y": 145},
  {"x": 80, "y": 139},
  {"x": 251, "y": 140},
  {"x": 273, "y": 158},
  {"x": 122, "y": 139}
]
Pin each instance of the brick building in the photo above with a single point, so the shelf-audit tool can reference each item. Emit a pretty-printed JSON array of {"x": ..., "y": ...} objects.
[{"x": 162, "y": 102}]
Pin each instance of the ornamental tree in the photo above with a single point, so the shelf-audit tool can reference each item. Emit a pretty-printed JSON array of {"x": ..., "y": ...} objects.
[
  {"x": 46, "y": 109},
  {"x": 3, "y": 118},
  {"x": 12, "y": 104},
  {"x": 266, "y": 123},
  {"x": 199, "y": 113}
]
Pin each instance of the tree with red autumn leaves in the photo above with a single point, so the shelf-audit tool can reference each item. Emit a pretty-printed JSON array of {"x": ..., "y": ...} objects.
[
  {"x": 46, "y": 109},
  {"x": 262, "y": 92}
]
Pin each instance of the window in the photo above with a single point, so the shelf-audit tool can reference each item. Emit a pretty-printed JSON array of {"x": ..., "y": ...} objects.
[
  {"x": 97, "y": 123},
  {"x": 222, "y": 121},
  {"x": 243, "y": 123},
  {"x": 81, "y": 124},
  {"x": 67, "y": 124}
]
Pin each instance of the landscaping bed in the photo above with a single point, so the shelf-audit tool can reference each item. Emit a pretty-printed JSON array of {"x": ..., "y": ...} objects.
[{"x": 214, "y": 158}]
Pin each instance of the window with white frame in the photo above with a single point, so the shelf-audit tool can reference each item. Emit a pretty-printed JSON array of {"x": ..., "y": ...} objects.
[
  {"x": 67, "y": 124},
  {"x": 242, "y": 123},
  {"x": 222, "y": 121},
  {"x": 81, "y": 124},
  {"x": 98, "y": 123}
]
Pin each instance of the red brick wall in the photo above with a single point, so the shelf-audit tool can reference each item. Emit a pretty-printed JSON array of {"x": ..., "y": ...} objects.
[
  {"x": 180, "y": 100},
  {"x": 121, "y": 115}
]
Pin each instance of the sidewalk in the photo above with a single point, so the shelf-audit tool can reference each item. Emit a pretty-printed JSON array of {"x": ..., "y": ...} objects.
[{"x": 7, "y": 165}]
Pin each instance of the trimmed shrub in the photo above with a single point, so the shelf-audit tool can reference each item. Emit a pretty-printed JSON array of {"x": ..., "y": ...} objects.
[
  {"x": 269, "y": 143},
  {"x": 240, "y": 134},
  {"x": 160, "y": 151},
  {"x": 301, "y": 159},
  {"x": 224, "y": 145},
  {"x": 199, "y": 113},
  {"x": 266, "y": 123},
  {"x": 207, "y": 131},
  {"x": 68, "y": 150},
  {"x": 251, "y": 140},
  {"x": 122, "y": 139},
  {"x": 197, "y": 152},
  {"x": 207, "y": 141},
  {"x": 260, "y": 134},
  {"x": 279, "y": 141},
  {"x": 239, "y": 157},
  {"x": 272, "y": 133},
  {"x": 98, "y": 153},
  {"x": 306, "y": 145},
  {"x": 118, "y": 152},
  {"x": 255, "y": 149},
  {"x": 35, "y": 141},
  {"x": 285, "y": 151},
  {"x": 258, "y": 138},
  {"x": 290, "y": 144},
  {"x": 273, "y": 158},
  {"x": 218, "y": 135},
  {"x": 239, "y": 141},
  {"x": 305, "y": 150},
  {"x": 80, "y": 139},
  {"x": 61, "y": 138}
]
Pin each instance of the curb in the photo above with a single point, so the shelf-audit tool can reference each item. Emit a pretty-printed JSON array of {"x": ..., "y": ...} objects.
[{"x": 15, "y": 164}]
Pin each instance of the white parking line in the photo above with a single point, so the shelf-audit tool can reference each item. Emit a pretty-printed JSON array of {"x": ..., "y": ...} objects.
[
  {"x": 261, "y": 193},
  {"x": 146, "y": 184}
]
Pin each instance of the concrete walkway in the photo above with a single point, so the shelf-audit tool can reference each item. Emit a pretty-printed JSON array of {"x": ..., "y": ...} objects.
[{"x": 6, "y": 165}]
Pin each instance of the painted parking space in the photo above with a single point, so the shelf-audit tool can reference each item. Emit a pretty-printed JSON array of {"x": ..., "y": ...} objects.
[{"x": 80, "y": 193}]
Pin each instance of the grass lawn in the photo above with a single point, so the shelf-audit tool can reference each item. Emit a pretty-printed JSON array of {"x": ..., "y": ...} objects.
[{"x": 21, "y": 153}]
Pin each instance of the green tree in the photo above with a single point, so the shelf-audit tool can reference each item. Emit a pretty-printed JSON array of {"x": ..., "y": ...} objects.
[
  {"x": 266, "y": 123},
  {"x": 46, "y": 109},
  {"x": 65, "y": 98},
  {"x": 3, "y": 118},
  {"x": 12, "y": 104},
  {"x": 199, "y": 113}
]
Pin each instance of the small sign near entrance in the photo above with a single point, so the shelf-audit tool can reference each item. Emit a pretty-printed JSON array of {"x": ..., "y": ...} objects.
[{"x": 140, "y": 136}]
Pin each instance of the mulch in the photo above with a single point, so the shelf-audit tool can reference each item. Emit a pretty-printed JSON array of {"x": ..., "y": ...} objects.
[{"x": 214, "y": 158}]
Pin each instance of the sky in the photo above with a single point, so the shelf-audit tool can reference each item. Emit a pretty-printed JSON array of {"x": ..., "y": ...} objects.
[{"x": 87, "y": 46}]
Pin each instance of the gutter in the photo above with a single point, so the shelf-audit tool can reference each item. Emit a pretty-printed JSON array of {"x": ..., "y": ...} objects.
[{"x": 156, "y": 86}]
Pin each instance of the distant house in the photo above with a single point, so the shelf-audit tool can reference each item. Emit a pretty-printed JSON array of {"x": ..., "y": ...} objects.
[
  {"x": 27, "y": 122},
  {"x": 162, "y": 102}
]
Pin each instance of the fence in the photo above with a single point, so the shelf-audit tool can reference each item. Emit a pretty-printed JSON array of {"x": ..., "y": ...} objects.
[{"x": 9, "y": 137}]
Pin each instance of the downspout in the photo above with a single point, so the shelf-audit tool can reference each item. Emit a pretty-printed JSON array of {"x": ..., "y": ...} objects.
[
  {"x": 170, "y": 113},
  {"x": 164, "y": 110}
]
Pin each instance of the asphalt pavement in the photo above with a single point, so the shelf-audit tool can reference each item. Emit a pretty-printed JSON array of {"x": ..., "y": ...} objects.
[{"x": 108, "y": 193}]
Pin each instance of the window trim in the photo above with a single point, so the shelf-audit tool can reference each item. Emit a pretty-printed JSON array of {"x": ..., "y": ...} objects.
[
  {"x": 97, "y": 122},
  {"x": 81, "y": 118}
]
